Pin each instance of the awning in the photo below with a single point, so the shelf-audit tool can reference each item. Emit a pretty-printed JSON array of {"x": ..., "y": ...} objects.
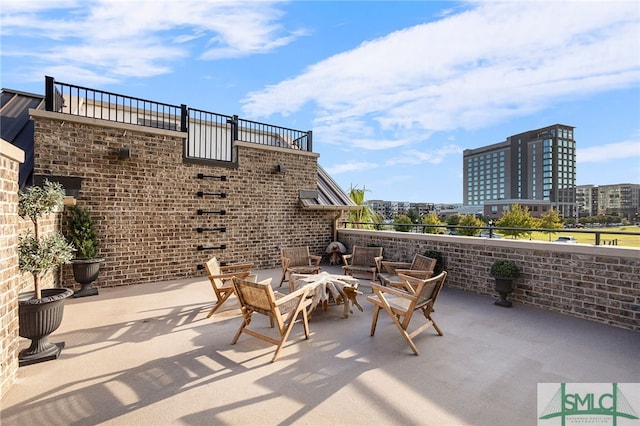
[{"x": 327, "y": 196}]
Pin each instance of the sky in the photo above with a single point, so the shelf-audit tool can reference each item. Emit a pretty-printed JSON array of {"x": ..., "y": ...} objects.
[{"x": 394, "y": 91}]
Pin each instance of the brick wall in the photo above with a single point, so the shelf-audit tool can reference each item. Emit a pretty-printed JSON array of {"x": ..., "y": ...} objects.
[
  {"x": 12, "y": 282},
  {"x": 10, "y": 159},
  {"x": 599, "y": 283},
  {"x": 145, "y": 207}
]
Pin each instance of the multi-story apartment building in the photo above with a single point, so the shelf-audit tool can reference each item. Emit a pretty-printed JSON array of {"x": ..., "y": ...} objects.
[
  {"x": 537, "y": 165},
  {"x": 622, "y": 199},
  {"x": 585, "y": 200},
  {"x": 390, "y": 209}
]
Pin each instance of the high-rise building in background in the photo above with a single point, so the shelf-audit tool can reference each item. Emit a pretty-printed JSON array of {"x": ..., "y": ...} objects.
[{"x": 536, "y": 169}]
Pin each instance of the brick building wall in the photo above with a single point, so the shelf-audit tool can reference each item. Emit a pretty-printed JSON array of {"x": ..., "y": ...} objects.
[
  {"x": 10, "y": 159},
  {"x": 145, "y": 207},
  {"x": 12, "y": 282},
  {"x": 599, "y": 283}
]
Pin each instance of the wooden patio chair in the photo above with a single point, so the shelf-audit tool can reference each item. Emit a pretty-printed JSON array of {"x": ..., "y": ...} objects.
[
  {"x": 401, "y": 304},
  {"x": 362, "y": 261},
  {"x": 281, "y": 309},
  {"x": 297, "y": 260},
  {"x": 421, "y": 267},
  {"x": 221, "y": 279}
]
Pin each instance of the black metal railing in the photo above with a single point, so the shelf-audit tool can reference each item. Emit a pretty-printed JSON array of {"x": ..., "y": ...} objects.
[
  {"x": 267, "y": 134},
  {"x": 488, "y": 231},
  {"x": 91, "y": 103},
  {"x": 209, "y": 135}
]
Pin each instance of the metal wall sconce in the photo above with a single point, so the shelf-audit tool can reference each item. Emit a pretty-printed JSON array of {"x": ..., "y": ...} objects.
[
  {"x": 124, "y": 152},
  {"x": 282, "y": 169}
]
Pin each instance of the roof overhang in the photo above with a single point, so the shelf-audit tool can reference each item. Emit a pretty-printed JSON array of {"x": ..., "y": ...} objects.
[{"x": 328, "y": 195}]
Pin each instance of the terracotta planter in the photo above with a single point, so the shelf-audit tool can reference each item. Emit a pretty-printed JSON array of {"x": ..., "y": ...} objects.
[{"x": 38, "y": 318}]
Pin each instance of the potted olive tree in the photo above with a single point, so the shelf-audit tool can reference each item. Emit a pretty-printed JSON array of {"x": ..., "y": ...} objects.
[
  {"x": 86, "y": 265},
  {"x": 504, "y": 272},
  {"x": 40, "y": 311}
]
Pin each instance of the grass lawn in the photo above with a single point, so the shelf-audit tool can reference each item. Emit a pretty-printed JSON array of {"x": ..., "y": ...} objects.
[{"x": 623, "y": 240}]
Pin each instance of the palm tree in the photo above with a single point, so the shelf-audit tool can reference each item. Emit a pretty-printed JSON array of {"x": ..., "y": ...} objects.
[{"x": 365, "y": 213}]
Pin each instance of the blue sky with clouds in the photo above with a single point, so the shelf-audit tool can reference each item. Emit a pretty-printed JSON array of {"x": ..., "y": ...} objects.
[{"x": 393, "y": 91}]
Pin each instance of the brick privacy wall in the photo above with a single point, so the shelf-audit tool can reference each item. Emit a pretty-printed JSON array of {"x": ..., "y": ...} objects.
[
  {"x": 9, "y": 273},
  {"x": 12, "y": 282},
  {"x": 596, "y": 283},
  {"x": 145, "y": 207}
]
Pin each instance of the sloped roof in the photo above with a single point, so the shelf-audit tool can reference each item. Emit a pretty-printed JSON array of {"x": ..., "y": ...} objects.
[
  {"x": 16, "y": 126},
  {"x": 329, "y": 195}
]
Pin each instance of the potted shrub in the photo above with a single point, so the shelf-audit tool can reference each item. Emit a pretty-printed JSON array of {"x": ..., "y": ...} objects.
[
  {"x": 86, "y": 265},
  {"x": 504, "y": 272},
  {"x": 40, "y": 311}
]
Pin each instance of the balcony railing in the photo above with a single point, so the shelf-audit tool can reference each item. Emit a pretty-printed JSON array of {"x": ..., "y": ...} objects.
[
  {"x": 489, "y": 231},
  {"x": 209, "y": 135}
]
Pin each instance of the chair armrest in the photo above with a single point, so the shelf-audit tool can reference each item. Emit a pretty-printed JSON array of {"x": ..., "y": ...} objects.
[
  {"x": 392, "y": 290},
  {"x": 346, "y": 258},
  {"x": 242, "y": 275},
  {"x": 417, "y": 273},
  {"x": 314, "y": 260},
  {"x": 236, "y": 267},
  {"x": 391, "y": 267}
]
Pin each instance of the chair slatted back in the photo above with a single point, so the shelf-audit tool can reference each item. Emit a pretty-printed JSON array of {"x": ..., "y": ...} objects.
[
  {"x": 426, "y": 291},
  {"x": 257, "y": 296},
  {"x": 365, "y": 256},
  {"x": 213, "y": 268},
  {"x": 423, "y": 263},
  {"x": 298, "y": 256}
]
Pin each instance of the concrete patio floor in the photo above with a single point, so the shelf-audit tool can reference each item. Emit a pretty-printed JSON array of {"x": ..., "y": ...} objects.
[{"x": 147, "y": 355}]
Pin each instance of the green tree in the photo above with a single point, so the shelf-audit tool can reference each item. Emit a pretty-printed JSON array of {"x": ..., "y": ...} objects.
[
  {"x": 550, "y": 220},
  {"x": 365, "y": 213},
  {"x": 37, "y": 254},
  {"x": 413, "y": 215},
  {"x": 517, "y": 217},
  {"x": 454, "y": 219},
  {"x": 470, "y": 220},
  {"x": 431, "y": 219},
  {"x": 402, "y": 223}
]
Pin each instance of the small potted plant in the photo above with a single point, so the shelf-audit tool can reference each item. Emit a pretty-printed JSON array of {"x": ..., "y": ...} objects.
[
  {"x": 86, "y": 265},
  {"x": 40, "y": 312},
  {"x": 504, "y": 272}
]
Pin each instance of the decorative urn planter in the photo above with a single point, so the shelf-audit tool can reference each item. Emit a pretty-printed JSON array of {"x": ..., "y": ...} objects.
[
  {"x": 38, "y": 318},
  {"x": 40, "y": 311},
  {"x": 85, "y": 272},
  {"x": 504, "y": 272},
  {"x": 86, "y": 265}
]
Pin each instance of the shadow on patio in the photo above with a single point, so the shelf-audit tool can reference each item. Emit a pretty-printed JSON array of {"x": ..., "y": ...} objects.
[{"x": 147, "y": 355}]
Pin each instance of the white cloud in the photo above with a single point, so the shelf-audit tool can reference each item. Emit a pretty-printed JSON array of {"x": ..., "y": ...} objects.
[
  {"x": 613, "y": 151},
  {"x": 351, "y": 166},
  {"x": 469, "y": 70},
  {"x": 114, "y": 39},
  {"x": 435, "y": 156}
]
